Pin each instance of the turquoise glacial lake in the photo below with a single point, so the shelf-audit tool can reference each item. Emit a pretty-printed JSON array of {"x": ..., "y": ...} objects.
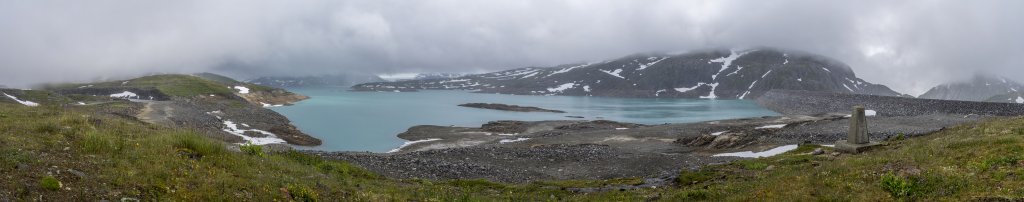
[{"x": 370, "y": 121}]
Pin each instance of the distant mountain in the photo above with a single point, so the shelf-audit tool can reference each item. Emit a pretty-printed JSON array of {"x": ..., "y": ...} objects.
[
  {"x": 715, "y": 74},
  {"x": 979, "y": 88},
  {"x": 1015, "y": 97},
  {"x": 424, "y": 76},
  {"x": 338, "y": 80}
]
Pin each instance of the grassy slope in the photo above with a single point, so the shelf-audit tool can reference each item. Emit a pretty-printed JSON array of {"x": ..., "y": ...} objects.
[
  {"x": 170, "y": 84},
  {"x": 124, "y": 158}
]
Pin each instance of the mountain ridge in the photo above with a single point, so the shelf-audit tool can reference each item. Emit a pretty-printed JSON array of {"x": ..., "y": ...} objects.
[
  {"x": 709, "y": 74},
  {"x": 981, "y": 87}
]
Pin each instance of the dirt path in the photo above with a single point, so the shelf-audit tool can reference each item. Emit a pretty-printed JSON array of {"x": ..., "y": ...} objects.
[{"x": 157, "y": 112}]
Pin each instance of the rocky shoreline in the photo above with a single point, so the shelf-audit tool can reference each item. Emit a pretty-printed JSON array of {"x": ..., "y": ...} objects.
[
  {"x": 520, "y": 151},
  {"x": 505, "y": 107}
]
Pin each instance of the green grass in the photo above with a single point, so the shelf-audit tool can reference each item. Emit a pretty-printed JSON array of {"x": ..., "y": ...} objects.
[
  {"x": 124, "y": 158},
  {"x": 50, "y": 183}
]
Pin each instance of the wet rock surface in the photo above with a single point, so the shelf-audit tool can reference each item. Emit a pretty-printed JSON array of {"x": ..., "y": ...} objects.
[{"x": 505, "y": 107}]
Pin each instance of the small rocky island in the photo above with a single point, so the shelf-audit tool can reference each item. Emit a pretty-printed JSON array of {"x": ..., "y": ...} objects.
[{"x": 505, "y": 107}]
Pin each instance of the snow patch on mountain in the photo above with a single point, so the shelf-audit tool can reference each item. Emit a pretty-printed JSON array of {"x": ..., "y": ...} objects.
[
  {"x": 711, "y": 95},
  {"x": 562, "y": 87},
  {"x": 683, "y": 90},
  {"x": 644, "y": 66},
  {"x": 726, "y": 61},
  {"x": 568, "y": 69},
  {"x": 614, "y": 73}
]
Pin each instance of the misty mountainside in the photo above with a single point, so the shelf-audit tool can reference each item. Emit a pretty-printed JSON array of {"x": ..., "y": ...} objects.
[
  {"x": 714, "y": 74},
  {"x": 423, "y": 76},
  {"x": 336, "y": 80},
  {"x": 979, "y": 88},
  {"x": 1015, "y": 97}
]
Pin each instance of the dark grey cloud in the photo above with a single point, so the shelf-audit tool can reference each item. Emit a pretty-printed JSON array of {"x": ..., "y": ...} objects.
[{"x": 908, "y": 45}]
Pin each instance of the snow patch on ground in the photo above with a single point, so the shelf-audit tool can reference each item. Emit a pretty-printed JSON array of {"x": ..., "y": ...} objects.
[
  {"x": 562, "y": 87},
  {"x": 269, "y": 105},
  {"x": 870, "y": 112},
  {"x": 125, "y": 95},
  {"x": 826, "y": 69},
  {"x": 771, "y": 126},
  {"x": 23, "y": 102},
  {"x": 586, "y": 88},
  {"x": 1020, "y": 99},
  {"x": 513, "y": 140},
  {"x": 614, "y": 73},
  {"x": 770, "y": 152},
  {"x": 406, "y": 144},
  {"x": 718, "y": 133},
  {"x": 270, "y": 138},
  {"x": 242, "y": 89}
]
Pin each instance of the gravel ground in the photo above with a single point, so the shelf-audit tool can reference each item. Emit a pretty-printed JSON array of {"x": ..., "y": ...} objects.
[{"x": 519, "y": 165}]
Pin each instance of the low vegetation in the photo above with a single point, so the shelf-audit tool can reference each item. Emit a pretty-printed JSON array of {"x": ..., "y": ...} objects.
[{"x": 92, "y": 155}]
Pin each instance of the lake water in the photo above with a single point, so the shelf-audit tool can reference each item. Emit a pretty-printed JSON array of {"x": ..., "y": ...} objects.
[{"x": 370, "y": 121}]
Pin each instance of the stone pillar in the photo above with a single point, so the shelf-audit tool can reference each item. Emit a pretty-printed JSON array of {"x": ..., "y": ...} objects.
[
  {"x": 858, "y": 127},
  {"x": 857, "y": 140}
]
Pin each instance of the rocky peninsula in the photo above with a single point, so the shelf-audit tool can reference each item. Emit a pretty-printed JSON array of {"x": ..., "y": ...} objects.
[{"x": 505, "y": 107}]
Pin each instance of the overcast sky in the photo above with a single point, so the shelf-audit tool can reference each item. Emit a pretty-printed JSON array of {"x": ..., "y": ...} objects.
[{"x": 907, "y": 45}]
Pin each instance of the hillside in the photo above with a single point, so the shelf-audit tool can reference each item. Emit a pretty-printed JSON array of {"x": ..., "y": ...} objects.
[
  {"x": 979, "y": 88},
  {"x": 716, "y": 74},
  {"x": 218, "y": 106},
  {"x": 80, "y": 152}
]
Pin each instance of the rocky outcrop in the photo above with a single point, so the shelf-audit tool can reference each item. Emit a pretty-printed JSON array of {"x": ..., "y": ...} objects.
[
  {"x": 715, "y": 74},
  {"x": 273, "y": 97},
  {"x": 505, "y": 107}
]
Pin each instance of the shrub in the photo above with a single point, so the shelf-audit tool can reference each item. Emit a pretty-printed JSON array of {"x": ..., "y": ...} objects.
[
  {"x": 301, "y": 193},
  {"x": 50, "y": 183},
  {"x": 898, "y": 187},
  {"x": 251, "y": 149}
]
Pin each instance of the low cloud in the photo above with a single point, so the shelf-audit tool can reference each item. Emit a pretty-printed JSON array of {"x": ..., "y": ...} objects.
[{"x": 908, "y": 45}]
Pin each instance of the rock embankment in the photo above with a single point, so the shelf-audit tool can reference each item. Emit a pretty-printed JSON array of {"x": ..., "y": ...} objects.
[
  {"x": 810, "y": 103},
  {"x": 505, "y": 107}
]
